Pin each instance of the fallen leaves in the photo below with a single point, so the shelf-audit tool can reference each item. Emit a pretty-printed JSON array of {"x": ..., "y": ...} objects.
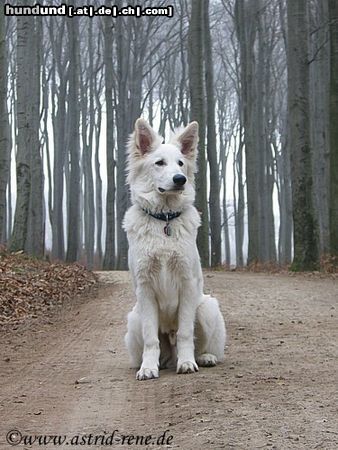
[{"x": 30, "y": 286}]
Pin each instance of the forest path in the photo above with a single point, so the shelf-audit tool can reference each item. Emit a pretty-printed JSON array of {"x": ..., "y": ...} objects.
[{"x": 276, "y": 389}]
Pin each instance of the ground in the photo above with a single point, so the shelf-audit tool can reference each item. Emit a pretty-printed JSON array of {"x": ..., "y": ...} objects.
[{"x": 278, "y": 387}]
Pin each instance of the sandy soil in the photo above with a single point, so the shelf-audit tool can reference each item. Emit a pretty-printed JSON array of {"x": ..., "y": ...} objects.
[{"x": 278, "y": 387}]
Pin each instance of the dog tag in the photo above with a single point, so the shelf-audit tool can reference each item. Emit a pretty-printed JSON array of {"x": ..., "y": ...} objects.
[{"x": 167, "y": 230}]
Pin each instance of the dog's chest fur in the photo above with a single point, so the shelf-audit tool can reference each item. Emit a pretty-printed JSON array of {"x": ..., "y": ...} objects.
[{"x": 164, "y": 262}]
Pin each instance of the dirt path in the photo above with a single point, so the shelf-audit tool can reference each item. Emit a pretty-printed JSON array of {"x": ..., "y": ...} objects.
[{"x": 277, "y": 389}]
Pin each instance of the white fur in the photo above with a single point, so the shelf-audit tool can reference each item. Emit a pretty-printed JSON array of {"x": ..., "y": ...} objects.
[{"x": 172, "y": 322}]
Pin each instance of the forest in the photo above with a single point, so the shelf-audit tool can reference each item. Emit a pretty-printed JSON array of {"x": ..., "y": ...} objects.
[{"x": 259, "y": 76}]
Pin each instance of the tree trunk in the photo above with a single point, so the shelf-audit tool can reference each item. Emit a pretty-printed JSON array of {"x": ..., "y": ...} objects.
[
  {"x": 284, "y": 165},
  {"x": 122, "y": 132},
  {"x": 109, "y": 257},
  {"x": 196, "y": 84},
  {"x": 73, "y": 147},
  {"x": 45, "y": 115},
  {"x": 25, "y": 129},
  {"x": 239, "y": 216},
  {"x": 284, "y": 198},
  {"x": 223, "y": 158},
  {"x": 59, "y": 118},
  {"x": 319, "y": 116},
  {"x": 35, "y": 243},
  {"x": 304, "y": 225},
  {"x": 214, "y": 194},
  {"x": 88, "y": 117},
  {"x": 98, "y": 179},
  {"x": 246, "y": 33},
  {"x": 4, "y": 129},
  {"x": 333, "y": 15}
]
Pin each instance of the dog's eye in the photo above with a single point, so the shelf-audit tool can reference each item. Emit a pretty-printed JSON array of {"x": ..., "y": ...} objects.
[
  {"x": 180, "y": 163},
  {"x": 160, "y": 162}
]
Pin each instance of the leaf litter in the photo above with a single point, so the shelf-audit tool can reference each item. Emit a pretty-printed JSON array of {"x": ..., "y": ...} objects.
[{"x": 29, "y": 287}]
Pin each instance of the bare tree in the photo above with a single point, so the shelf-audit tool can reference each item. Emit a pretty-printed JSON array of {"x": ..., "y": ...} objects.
[
  {"x": 59, "y": 82},
  {"x": 12, "y": 114},
  {"x": 35, "y": 244},
  {"x": 282, "y": 153},
  {"x": 98, "y": 90},
  {"x": 4, "y": 128},
  {"x": 304, "y": 225},
  {"x": 24, "y": 71},
  {"x": 214, "y": 192},
  {"x": 223, "y": 159},
  {"x": 246, "y": 28},
  {"x": 109, "y": 257},
  {"x": 333, "y": 15},
  {"x": 197, "y": 93},
  {"x": 319, "y": 64},
  {"x": 257, "y": 29},
  {"x": 125, "y": 117},
  {"x": 73, "y": 142},
  {"x": 88, "y": 76},
  {"x": 230, "y": 112}
]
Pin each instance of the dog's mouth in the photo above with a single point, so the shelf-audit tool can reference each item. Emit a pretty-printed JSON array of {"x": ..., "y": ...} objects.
[{"x": 174, "y": 189}]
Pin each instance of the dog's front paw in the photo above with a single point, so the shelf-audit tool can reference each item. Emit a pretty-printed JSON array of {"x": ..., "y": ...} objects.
[
  {"x": 147, "y": 374},
  {"x": 187, "y": 367},
  {"x": 207, "y": 360}
]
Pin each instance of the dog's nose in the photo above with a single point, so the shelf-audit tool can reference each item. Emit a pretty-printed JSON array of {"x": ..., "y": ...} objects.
[{"x": 179, "y": 179}]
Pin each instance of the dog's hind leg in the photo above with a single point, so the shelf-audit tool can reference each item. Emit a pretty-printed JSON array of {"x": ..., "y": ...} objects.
[
  {"x": 210, "y": 334},
  {"x": 134, "y": 340}
]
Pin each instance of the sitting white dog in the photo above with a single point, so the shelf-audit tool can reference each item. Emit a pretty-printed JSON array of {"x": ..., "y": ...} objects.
[{"x": 172, "y": 320}]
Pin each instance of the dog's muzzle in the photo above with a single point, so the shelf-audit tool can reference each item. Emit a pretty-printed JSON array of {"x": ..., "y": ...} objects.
[{"x": 179, "y": 182}]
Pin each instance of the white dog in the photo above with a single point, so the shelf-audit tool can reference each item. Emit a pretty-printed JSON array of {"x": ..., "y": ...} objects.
[{"x": 172, "y": 321}]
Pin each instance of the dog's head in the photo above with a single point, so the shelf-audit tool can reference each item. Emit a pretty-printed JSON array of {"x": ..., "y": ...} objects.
[{"x": 162, "y": 175}]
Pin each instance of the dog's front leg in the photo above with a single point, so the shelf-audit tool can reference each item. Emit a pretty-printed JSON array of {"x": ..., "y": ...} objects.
[
  {"x": 185, "y": 335},
  {"x": 150, "y": 322}
]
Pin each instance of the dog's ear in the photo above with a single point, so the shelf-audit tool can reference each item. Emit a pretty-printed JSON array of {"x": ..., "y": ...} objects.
[
  {"x": 188, "y": 140},
  {"x": 144, "y": 136}
]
